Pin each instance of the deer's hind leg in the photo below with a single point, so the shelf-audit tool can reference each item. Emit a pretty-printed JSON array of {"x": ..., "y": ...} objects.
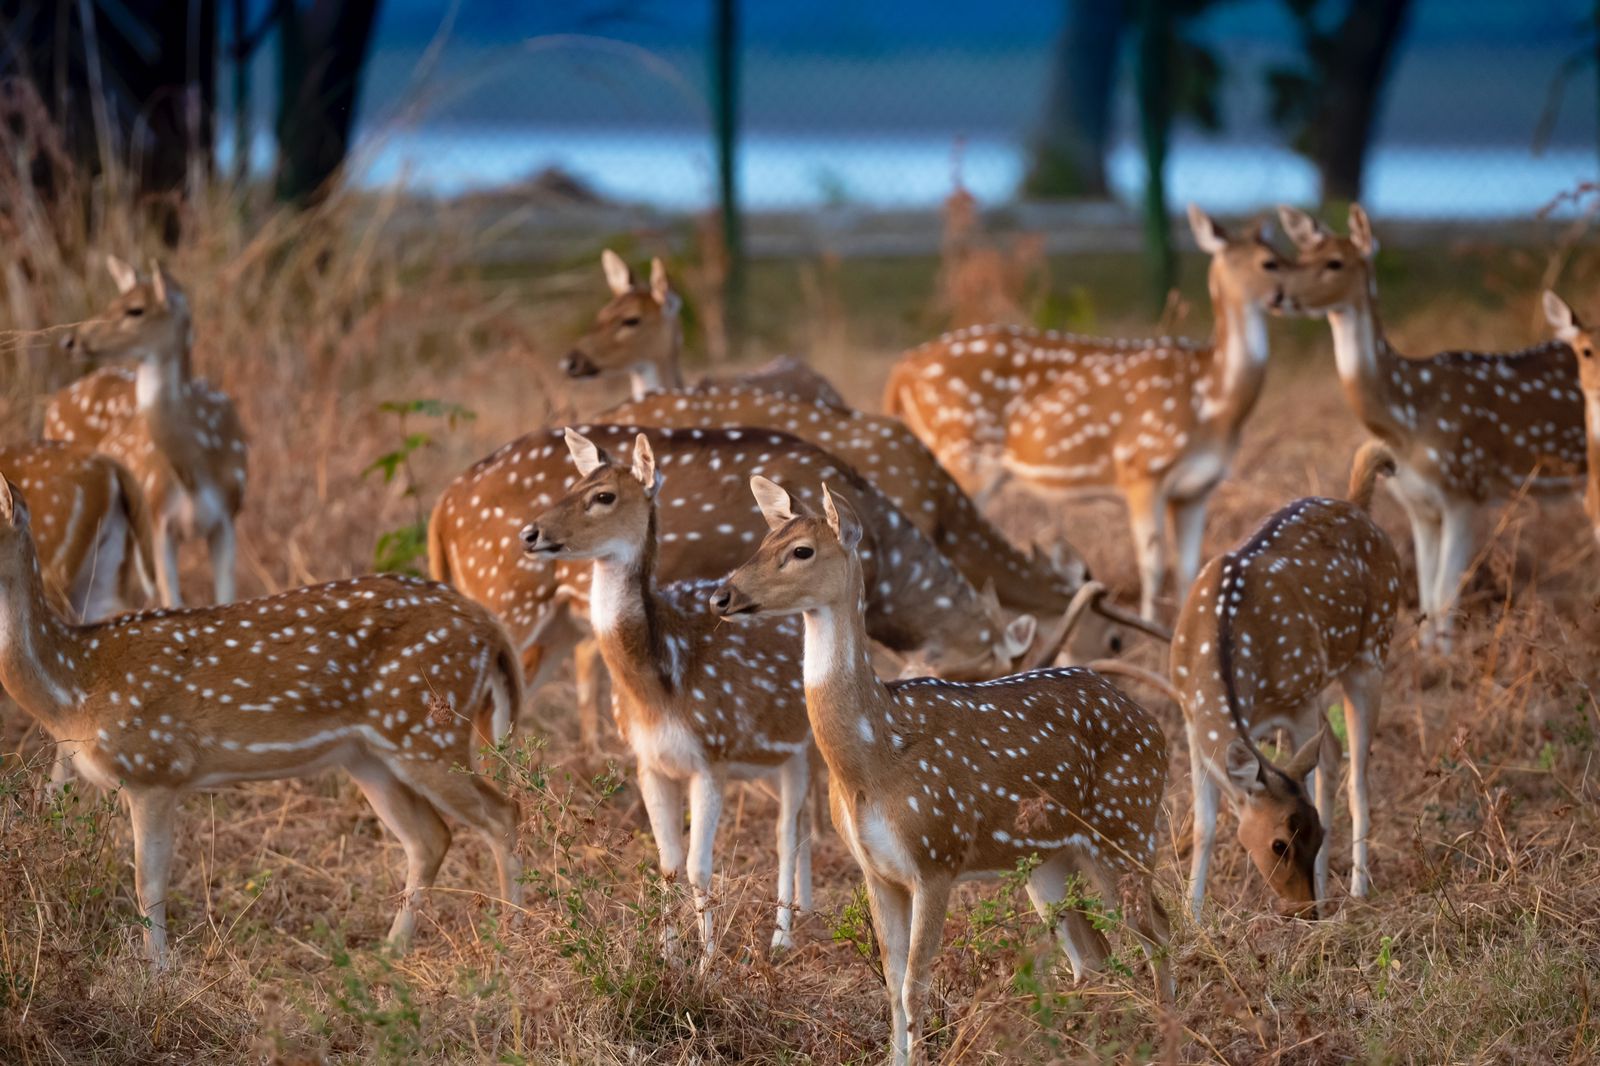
[
  {"x": 469, "y": 798},
  {"x": 418, "y": 827}
]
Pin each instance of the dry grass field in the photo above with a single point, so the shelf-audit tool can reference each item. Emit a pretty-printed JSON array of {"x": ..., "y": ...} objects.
[{"x": 1480, "y": 943}]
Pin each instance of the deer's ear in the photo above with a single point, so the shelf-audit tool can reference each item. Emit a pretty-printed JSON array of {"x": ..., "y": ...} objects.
[
  {"x": 618, "y": 276},
  {"x": 585, "y": 455},
  {"x": 8, "y": 503},
  {"x": 841, "y": 519},
  {"x": 1361, "y": 232},
  {"x": 122, "y": 274},
  {"x": 1019, "y": 636},
  {"x": 1211, "y": 237},
  {"x": 1561, "y": 317},
  {"x": 644, "y": 465},
  {"x": 1242, "y": 773},
  {"x": 661, "y": 288},
  {"x": 159, "y": 285},
  {"x": 1305, "y": 759},
  {"x": 1305, "y": 231},
  {"x": 777, "y": 506}
]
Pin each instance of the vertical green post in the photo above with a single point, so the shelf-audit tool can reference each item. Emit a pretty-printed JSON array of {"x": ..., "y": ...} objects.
[
  {"x": 1153, "y": 74},
  {"x": 241, "y": 93},
  {"x": 725, "y": 92}
]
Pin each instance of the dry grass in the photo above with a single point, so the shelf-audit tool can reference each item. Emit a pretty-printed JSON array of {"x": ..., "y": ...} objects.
[{"x": 1479, "y": 943}]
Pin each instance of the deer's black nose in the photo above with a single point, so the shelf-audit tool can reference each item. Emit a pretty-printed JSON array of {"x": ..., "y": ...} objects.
[
  {"x": 577, "y": 365},
  {"x": 721, "y": 598}
]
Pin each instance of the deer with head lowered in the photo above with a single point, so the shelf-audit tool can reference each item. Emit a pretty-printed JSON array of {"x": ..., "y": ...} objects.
[
  {"x": 1467, "y": 429},
  {"x": 1307, "y": 601},
  {"x": 889, "y": 455},
  {"x": 180, "y": 438},
  {"x": 1156, "y": 421},
  {"x": 934, "y": 781},
  {"x": 915, "y": 598},
  {"x": 639, "y": 332},
  {"x": 1573, "y": 333},
  {"x": 394, "y": 679}
]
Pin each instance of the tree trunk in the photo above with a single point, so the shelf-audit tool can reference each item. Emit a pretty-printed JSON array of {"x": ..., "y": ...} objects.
[
  {"x": 1363, "y": 49},
  {"x": 1153, "y": 77},
  {"x": 1069, "y": 150},
  {"x": 322, "y": 50}
]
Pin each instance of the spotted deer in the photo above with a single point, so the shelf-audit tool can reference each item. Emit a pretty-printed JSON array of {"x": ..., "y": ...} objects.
[
  {"x": 394, "y": 679},
  {"x": 640, "y": 332},
  {"x": 1467, "y": 429},
  {"x": 180, "y": 438},
  {"x": 91, "y": 532},
  {"x": 1306, "y": 601},
  {"x": 888, "y": 454},
  {"x": 701, "y": 704},
  {"x": 935, "y": 781},
  {"x": 915, "y": 599},
  {"x": 1573, "y": 333},
  {"x": 1156, "y": 421}
]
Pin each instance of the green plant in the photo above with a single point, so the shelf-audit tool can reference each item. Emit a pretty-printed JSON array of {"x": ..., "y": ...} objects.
[{"x": 398, "y": 549}]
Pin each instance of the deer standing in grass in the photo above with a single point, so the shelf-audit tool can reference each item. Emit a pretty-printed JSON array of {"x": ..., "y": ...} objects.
[
  {"x": 933, "y": 781},
  {"x": 639, "y": 332},
  {"x": 1307, "y": 601},
  {"x": 890, "y": 456},
  {"x": 180, "y": 438},
  {"x": 915, "y": 600},
  {"x": 91, "y": 530},
  {"x": 1157, "y": 421},
  {"x": 396, "y": 680},
  {"x": 701, "y": 703},
  {"x": 1467, "y": 429},
  {"x": 1573, "y": 333}
]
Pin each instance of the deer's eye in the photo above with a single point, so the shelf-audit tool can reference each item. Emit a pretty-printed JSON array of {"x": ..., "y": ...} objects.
[
  {"x": 604, "y": 498},
  {"x": 631, "y": 321},
  {"x": 803, "y": 552},
  {"x": 1269, "y": 264},
  {"x": 1334, "y": 264},
  {"x": 1280, "y": 848},
  {"x": 134, "y": 312}
]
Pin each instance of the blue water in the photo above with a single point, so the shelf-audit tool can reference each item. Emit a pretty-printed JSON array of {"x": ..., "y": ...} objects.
[{"x": 789, "y": 171}]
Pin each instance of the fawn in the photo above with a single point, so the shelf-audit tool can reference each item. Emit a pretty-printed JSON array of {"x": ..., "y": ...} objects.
[{"x": 932, "y": 781}]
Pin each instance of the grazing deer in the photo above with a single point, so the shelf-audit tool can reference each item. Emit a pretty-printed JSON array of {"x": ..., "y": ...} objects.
[
  {"x": 1570, "y": 331},
  {"x": 91, "y": 531},
  {"x": 1308, "y": 600},
  {"x": 699, "y": 705},
  {"x": 1466, "y": 428},
  {"x": 181, "y": 439},
  {"x": 394, "y": 679},
  {"x": 1158, "y": 421},
  {"x": 889, "y": 455},
  {"x": 915, "y": 597},
  {"x": 639, "y": 332},
  {"x": 933, "y": 781}
]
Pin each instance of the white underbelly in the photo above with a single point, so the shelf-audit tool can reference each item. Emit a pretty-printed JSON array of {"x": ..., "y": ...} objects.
[{"x": 875, "y": 847}]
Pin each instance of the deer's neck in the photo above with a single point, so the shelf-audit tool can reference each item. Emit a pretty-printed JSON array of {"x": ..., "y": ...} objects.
[
  {"x": 38, "y": 656},
  {"x": 1363, "y": 357},
  {"x": 627, "y": 616},
  {"x": 656, "y": 375},
  {"x": 158, "y": 383},
  {"x": 848, "y": 707},
  {"x": 1240, "y": 367}
]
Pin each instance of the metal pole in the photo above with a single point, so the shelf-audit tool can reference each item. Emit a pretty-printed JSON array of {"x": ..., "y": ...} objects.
[{"x": 725, "y": 91}]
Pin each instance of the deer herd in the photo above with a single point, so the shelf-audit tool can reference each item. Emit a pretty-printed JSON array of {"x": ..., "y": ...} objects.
[{"x": 743, "y": 557}]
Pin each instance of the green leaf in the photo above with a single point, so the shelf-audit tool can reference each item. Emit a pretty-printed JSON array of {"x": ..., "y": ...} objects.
[{"x": 398, "y": 549}]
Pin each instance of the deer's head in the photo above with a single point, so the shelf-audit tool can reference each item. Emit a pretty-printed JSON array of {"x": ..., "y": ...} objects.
[
  {"x": 805, "y": 562},
  {"x": 635, "y": 332},
  {"x": 1278, "y": 824},
  {"x": 1245, "y": 269},
  {"x": 609, "y": 512},
  {"x": 1567, "y": 327},
  {"x": 148, "y": 319},
  {"x": 1333, "y": 273}
]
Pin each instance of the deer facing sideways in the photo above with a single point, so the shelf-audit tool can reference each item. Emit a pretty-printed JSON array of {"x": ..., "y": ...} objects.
[
  {"x": 889, "y": 455},
  {"x": 1157, "y": 421},
  {"x": 396, "y": 680},
  {"x": 1572, "y": 332},
  {"x": 1467, "y": 429},
  {"x": 639, "y": 331},
  {"x": 698, "y": 705},
  {"x": 1308, "y": 600},
  {"x": 933, "y": 781},
  {"x": 180, "y": 438}
]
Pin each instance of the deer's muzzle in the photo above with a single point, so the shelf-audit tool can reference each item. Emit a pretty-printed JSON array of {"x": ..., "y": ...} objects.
[
  {"x": 534, "y": 543},
  {"x": 728, "y": 601},
  {"x": 577, "y": 365}
]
